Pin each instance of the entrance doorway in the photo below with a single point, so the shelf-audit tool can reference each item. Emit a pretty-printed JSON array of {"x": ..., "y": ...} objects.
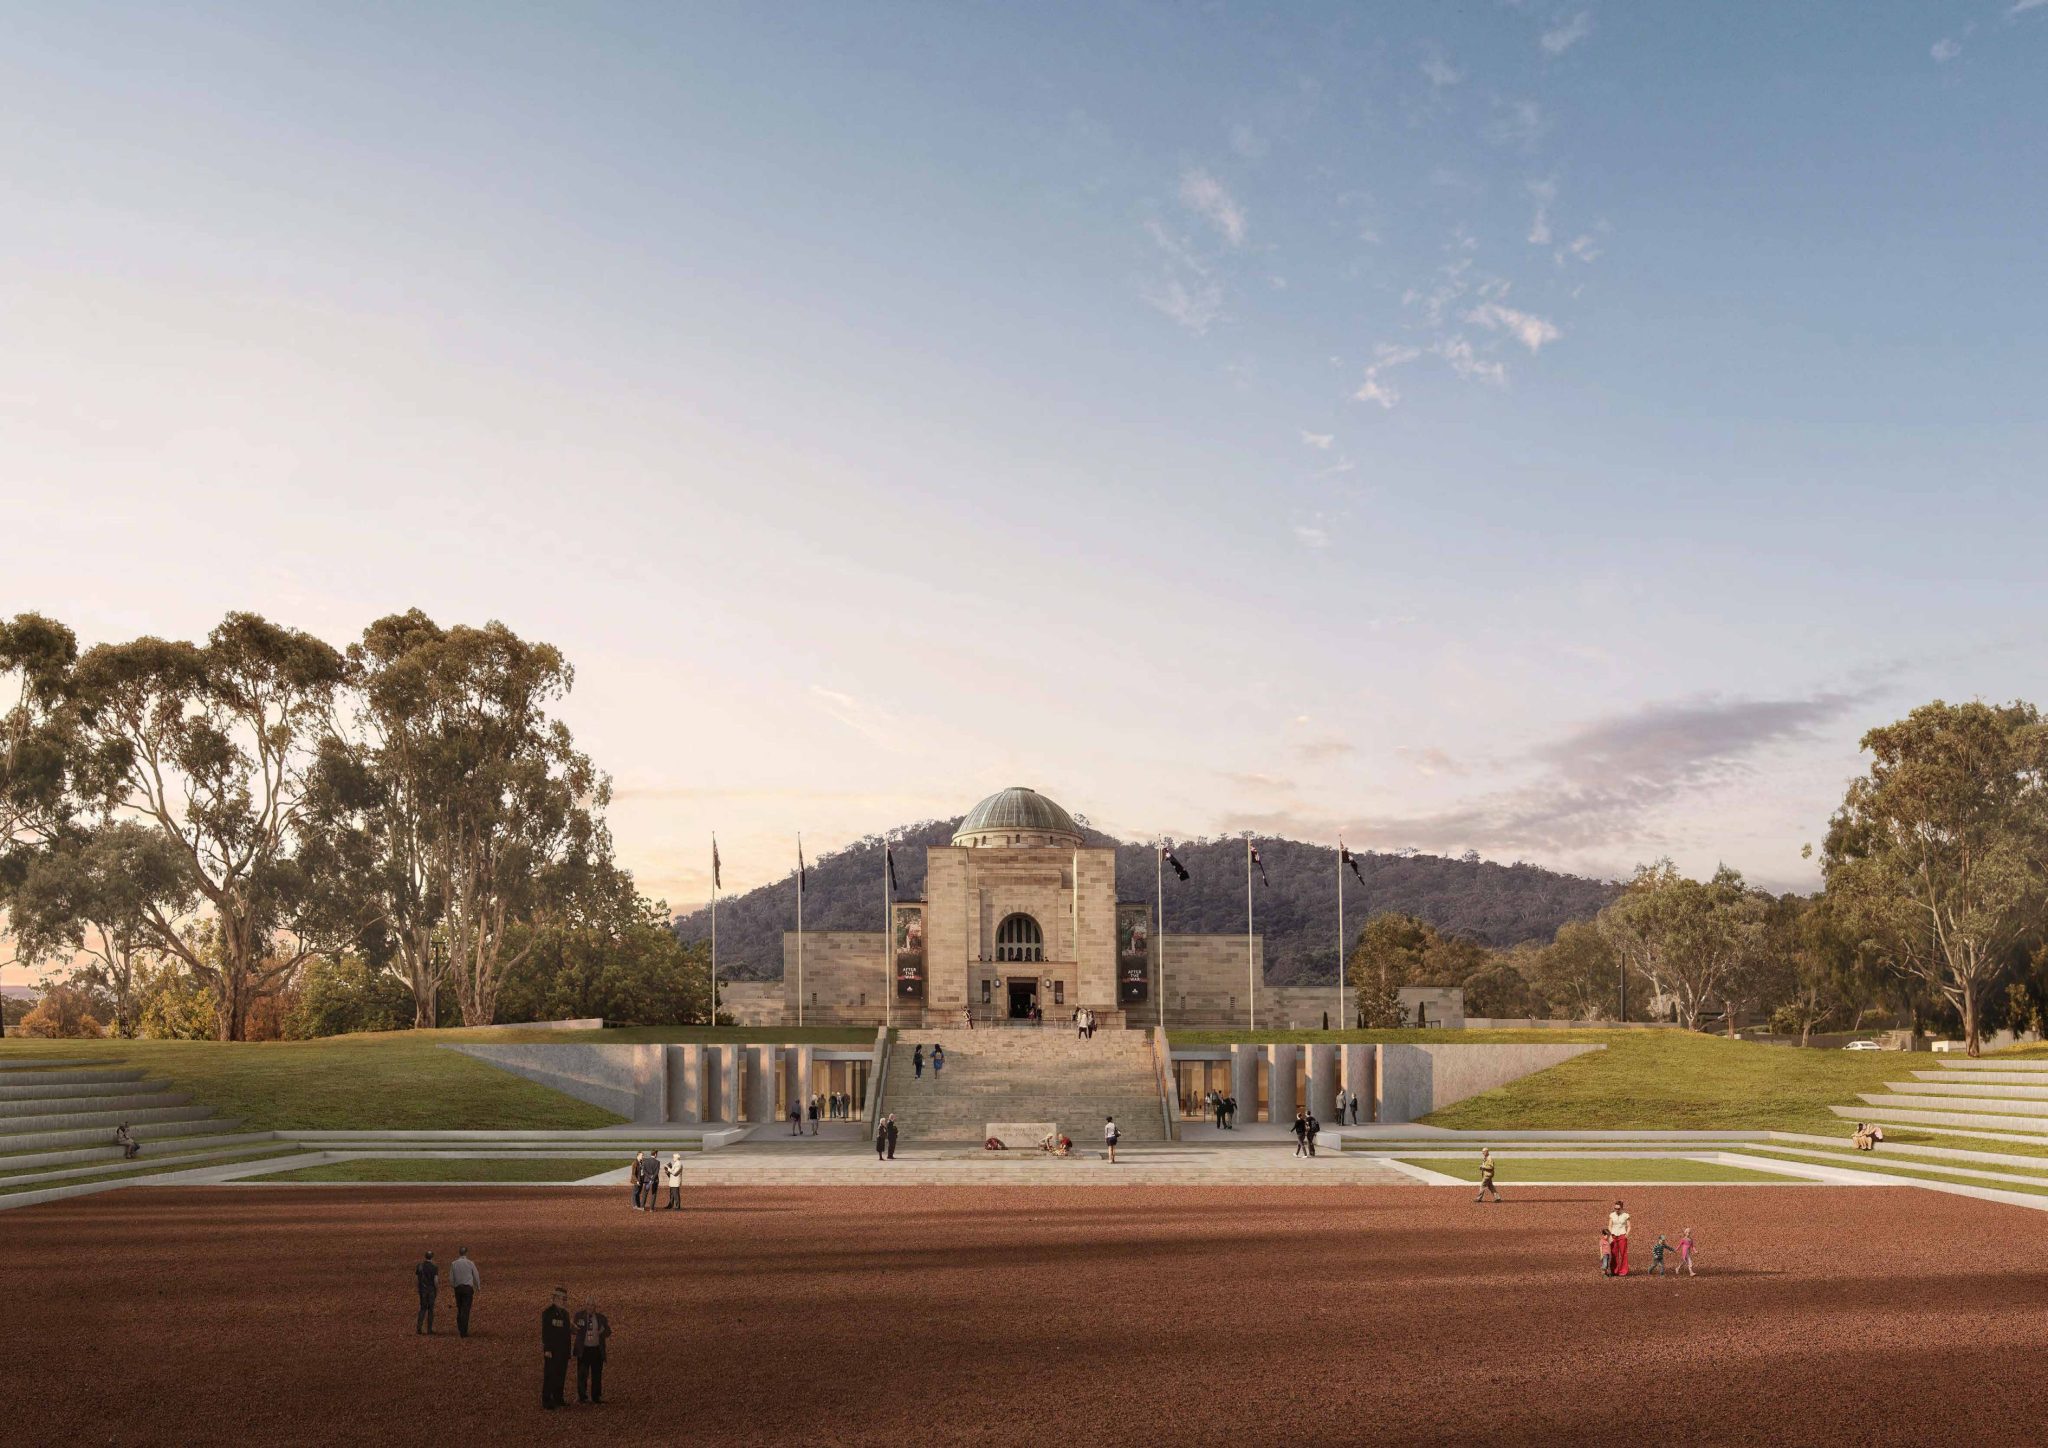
[{"x": 1023, "y": 996}]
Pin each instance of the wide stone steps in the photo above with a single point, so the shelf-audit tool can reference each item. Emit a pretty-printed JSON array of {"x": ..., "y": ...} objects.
[
  {"x": 28, "y": 1081},
  {"x": 1051, "y": 1075},
  {"x": 61, "y": 1106},
  {"x": 1994, "y": 1087},
  {"x": 189, "y": 1121},
  {"x": 82, "y": 1155}
]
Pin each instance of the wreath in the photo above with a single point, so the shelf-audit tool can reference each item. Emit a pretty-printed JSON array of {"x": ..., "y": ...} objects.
[{"x": 994, "y": 1143}]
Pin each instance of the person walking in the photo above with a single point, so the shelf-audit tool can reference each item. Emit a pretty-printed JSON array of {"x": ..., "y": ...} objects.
[
  {"x": 638, "y": 1158},
  {"x": 427, "y": 1278},
  {"x": 917, "y": 1061},
  {"x": 590, "y": 1334},
  {"x": 796, "y": 1117},
  {"x": 814, "y": 1116},
  {"x": 938, "y": 1060},
  {"x": 1230, "y": 1113},
  {"x": 1109, "y": 1136},
  {"x": 1300, "y": 1131},
  {"x": 672, "y": 1178},
  {"x": 1314, "y": 1126},
  {"x": 1486, "y": 1175},
  {"x": 1354, "y": 1108},
  {"x": 465, "y": 1279},
  {"x": 1080, "y": 1025},
  {"x": 1617, "y": 1225},
  {"x": 1685, "y": 1254},
  {"x": 892, "y": 1136},
  {"x": 557, "y": 1341}
]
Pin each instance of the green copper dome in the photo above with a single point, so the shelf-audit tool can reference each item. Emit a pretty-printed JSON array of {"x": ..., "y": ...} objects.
[{"x": 1020, "y": 812}]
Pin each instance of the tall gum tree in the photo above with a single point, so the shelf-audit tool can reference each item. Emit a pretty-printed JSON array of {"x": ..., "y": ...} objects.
[
  {"x": 213, "y": 746},
  {"x": 1938, "y": 852}
]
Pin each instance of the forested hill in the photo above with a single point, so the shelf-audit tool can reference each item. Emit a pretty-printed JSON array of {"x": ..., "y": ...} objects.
[{"x": 1297, "y": 910}]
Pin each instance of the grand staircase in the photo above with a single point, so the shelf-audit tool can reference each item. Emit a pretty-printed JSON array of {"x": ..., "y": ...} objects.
[{"x": 1026, "y": 1074}]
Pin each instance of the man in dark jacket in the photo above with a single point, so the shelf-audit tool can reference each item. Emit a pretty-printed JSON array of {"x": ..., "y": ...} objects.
[
  {"x": 592, "y": 1331},
  {"x": 650, "y": 1179},
  {"x": 892, "y": 1136},
  {"x": 557, "y": 1339},
  {"x": 881, "y": 1137},
  {"x": 427, "y": 1277}
]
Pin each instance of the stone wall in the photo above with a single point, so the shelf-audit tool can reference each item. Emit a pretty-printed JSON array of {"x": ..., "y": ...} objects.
[{"x": 1416, "y": 1080}]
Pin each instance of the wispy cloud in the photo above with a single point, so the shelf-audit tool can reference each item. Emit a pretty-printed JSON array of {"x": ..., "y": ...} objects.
[
  {"x": 1431, "y": 761},
  {"x": 1516, "y": 123},
  {"x": 1256, "y": 780},
  {"x": 1563, "y": 36},
  {"x": 1437, "y": 69},
  {"x": 1386, "y": 357},
  {"x": 1185, "y": 290},
  {"x": 2025, "y": 5},
  {"x": 1320, "y": 440},
  {"x": 868, "y": 720},
  {"x": 1204, "y": 195},
  {"x": 1466, "y": 362},
  {"x": 1324, "y": 749},
  {"x": 1947, "y": 49},
  {"x": 1528, "y": 329},
  {"x": 1545, "y": 193},
  {"x": 1312, "y": 535}
]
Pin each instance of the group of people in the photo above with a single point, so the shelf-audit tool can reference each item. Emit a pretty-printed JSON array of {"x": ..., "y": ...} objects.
[
  {"x": 917, "y": 1060},
  {"x": 1084, "y": 1024},
  {"x": 462, "y": 1276},
  {"x": 1347, "y": 1100},
  {"x": 1305, "y": 1128},
  {"x": 651, "y": 1174},
  {"x": 1614, "y": 1248},
  {"x": 583, "y": 1339},
  {"x": 1222, "y": 1107},
  {"x": 885, "y": 1138},
  {"x": 1868, "y": 1136}
]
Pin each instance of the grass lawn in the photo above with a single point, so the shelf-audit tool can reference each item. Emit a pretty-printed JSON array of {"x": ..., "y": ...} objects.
[
  {"x": 1578, "y": 1169},
  {"x": 1674, "y": 1080},
  {"x": 452, "y": 1169},
  {"x": 401, "y": 1080}
]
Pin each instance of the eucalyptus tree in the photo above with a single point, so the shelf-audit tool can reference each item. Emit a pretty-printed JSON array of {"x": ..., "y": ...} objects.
[
  {"x": 103, "y": 896},
  {"x": 465, "y": 817},
  {"x": 212, "y": 747},
  {"x": 36, "y": 658},
  {"x": 1939, "y": 850},
  {"x": 1695, "y": 941}
]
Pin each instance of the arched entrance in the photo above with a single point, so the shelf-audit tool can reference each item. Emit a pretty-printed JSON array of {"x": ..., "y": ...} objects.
[{"x": 1020, "y": 941}]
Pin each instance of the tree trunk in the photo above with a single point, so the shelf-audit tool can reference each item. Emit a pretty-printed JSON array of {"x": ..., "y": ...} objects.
[{"x": 1972, "y": 1045}]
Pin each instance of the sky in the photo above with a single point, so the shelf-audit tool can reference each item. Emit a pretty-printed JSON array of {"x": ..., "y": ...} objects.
[{"x": 1558, "y": 431}]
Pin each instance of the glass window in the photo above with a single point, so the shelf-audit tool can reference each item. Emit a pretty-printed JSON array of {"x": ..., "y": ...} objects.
[
  {"x": 1019, "y": 938},
  {"x": 1059, "y": 992}
]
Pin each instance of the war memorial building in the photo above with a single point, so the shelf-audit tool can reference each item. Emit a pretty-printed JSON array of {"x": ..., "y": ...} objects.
[{"x": 1021, "y": 915}]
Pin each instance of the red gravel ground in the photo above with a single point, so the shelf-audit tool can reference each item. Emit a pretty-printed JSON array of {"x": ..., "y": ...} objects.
[{"x": 912, "y": 1316}]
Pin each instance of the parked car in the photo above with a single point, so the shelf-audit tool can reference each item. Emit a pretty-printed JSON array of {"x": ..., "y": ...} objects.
[{"x": 1863, "y": 1046}]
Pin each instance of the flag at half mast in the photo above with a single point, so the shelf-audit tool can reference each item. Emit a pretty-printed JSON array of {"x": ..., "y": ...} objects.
[
  {"x": 1173, "y": 861},
  {"x": 1259, "y": 862},
  {"x": 1350, "y": 859},
  {"x": 715, "y": 881}
]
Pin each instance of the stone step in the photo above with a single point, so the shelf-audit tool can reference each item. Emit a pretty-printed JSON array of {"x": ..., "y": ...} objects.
[
  {"x": 116, "y": 1083},
  {"x": 53, "y": 1106},
  {"x": 11, "y": 1063},
  {"x": 1993, "y": 1063},
  {"x": 164, "y": 1159},
  {"x": 37, "y": 1141},
  {"x": 1994, "y": 1105},
  {"x": 96, "y": 1119},
  {"x": 2028, "y": 1082},
  {"x": 27, "y": 1080},
  {"x": 2029, "y": 1128},
  {"x": 80, "y": 1155},
  {"x": 1972, "y": 1088}
]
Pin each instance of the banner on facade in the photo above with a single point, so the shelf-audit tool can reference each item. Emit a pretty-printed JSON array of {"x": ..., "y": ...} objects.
[
  {"x": 910, "y": 952},
  {"x": 1133, "y": 952}
]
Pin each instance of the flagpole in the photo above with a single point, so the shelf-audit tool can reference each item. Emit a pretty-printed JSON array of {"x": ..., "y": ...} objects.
[
  {"x": 1340, "y": 932},
  {"x": 888, "y": 942},
  {"x": 1159, "y": 887},
  {"x": 1251, "y": 973},
  {"x": 714, "y": 930},
  {"x": 800, "y": 926}
]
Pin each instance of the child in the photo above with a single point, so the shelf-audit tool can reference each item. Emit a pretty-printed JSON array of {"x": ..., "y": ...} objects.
[
  {"x": 1685, "y": 1252},
  {"x": 1657, "y": 1251},
  {"x": 1606, "y": 1253}
]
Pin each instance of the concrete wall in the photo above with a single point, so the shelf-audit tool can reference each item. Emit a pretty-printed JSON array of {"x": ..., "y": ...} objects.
[
  {"x": 1416, "y": 1080},
  {"x": 656, "y": 1084},
  {"x": 751, "y": 1002},
  {"x": 631, "y": 1081}
]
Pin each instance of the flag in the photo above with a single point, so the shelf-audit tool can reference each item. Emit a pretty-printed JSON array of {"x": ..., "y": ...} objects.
[
  {"x": 800, "y": 862},
  {"x": 1259, "y": 862},
  {"x": 1350, "y": 859},
  {"x": 889, "y": 856},
  {"x": 1178, "y": 868},
  {"x": 715, "y": 882}
]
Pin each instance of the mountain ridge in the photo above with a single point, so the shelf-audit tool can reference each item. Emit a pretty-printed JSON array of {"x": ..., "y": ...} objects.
[{"x": 1295, "y": 910}]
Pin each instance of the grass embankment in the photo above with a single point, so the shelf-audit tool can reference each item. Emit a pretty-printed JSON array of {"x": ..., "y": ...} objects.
[
  {"x": 400, "y": 1080},
  {"x": 1676, "y": 1081},
  {"x": 452, "y": 1169},
  {"x": 1580, "y": 1169},
  {"x": 675, "y": 1035}
]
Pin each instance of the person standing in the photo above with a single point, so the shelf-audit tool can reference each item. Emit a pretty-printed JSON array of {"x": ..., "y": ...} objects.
[
  {"x": 938, "y": 1061},
  {"x": 591, "y": 1332},
  {"x": 638, "y": 1158},
  {"x": 426, "y": 1277},
  {"x": 1109, "y": 1136},
  {"x": 796, "y": 1117},
  {"x": 557, "y": 1341},
  {"x": 1617, "y": 1226},
  {"x": 917, "y": 1061},
  {"x": 650, "y": 1180},
  {"x": 814, "y": 1116},
  {"x": 892, "y": 1136},
  {"x": 1230, "y": 1113},
  {"x": 672, "y": 1176},
  {"x": 1341, "y": 1097},
  {"x": 1354, "y": 1108},
  {"x": 1486, "y": 1175},
  {"x": 465, "y": 1279},
  {"x": 881, "y": 1136}
]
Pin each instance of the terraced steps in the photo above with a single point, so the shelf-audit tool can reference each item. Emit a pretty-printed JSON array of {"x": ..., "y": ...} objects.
[
  {"x": 2008, "y": 1097},
  {"x": 1021, "y": 1075}
]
